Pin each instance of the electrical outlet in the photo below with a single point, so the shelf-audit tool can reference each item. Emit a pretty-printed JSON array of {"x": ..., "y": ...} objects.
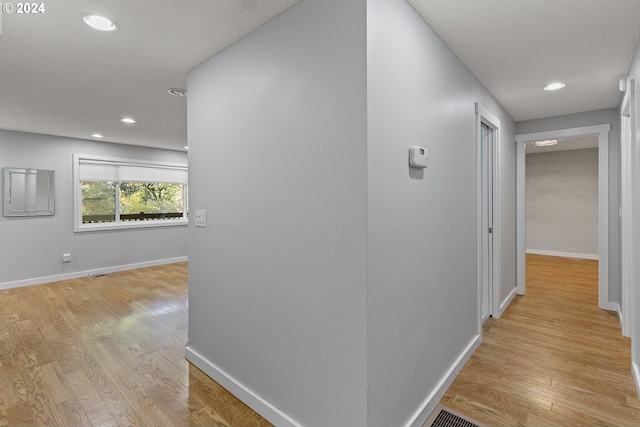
[
  {"x": 66, "y": 257},
  {"x": 201, "y": 218}
]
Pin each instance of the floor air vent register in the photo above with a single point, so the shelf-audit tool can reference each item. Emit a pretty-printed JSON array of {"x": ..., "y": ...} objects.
[{"x": 445, "y": 417}]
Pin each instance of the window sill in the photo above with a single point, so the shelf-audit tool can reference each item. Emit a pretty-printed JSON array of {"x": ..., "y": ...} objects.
[{"x": 130, "y": 225}]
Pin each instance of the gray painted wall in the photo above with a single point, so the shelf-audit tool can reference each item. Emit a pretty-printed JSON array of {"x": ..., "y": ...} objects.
[
  {"x": 591, "y": 118},
  {"x": 422, "y": 300},
  {"x": 32, "y": 248},
  {"x": 277, "y": 280},
  {"x": 634, "y": 73},
  {"x": 332, "y": 281},
  {"x": 562, "y": 201}
]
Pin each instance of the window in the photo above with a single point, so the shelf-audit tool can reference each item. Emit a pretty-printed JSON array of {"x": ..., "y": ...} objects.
[{"x": 115, "y": 193}]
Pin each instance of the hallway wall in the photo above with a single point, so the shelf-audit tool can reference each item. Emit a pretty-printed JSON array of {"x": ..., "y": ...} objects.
[
  {"x": 562, "y": 203},
  {"x": 634, "y": 74},
  {"x": 422, "y": 270}
]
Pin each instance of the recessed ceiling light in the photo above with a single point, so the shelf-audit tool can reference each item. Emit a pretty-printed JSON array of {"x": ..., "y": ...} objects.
[
  {"x": 128, "y": 120},
  {"x": 97, "y": 135},
  {"x": 99, "y": 22},
  {"x": 554, "y": 86},
  {"x": 177, "y": 91},
  {"x": 545, "y": 143}
]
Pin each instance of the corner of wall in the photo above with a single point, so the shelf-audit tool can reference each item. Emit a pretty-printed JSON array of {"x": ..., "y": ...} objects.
[
  {"x": 505, "y": 303},
  {"x": 430, "y": 403},
  {"x": 245, "y": 394}
]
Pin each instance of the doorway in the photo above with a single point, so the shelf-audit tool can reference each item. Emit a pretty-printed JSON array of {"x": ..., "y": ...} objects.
[
  {"x": 561, "y": 202},
  {"x": 488, "y": 206},
  {"x": 486, "y": 149},
  {"x": 602, "y": 132}
]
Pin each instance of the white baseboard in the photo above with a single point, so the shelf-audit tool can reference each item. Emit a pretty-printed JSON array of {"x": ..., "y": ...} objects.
[
  {"x": 636, "y": 376},
  {"x": 246, "y": 395},
  {"x": 562, "y": 254},
  {"x": 430, "y": 403},
  {"x": 610, "y": 306},
  {"x": 618, "y": 310},
  {"x": 85, "y": 273},
  {"x": 505, "y": 303}
]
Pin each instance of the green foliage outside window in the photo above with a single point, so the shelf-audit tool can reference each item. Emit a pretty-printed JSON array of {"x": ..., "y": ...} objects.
[
  {"x": 137, "y": 199},
  {"x": 146, "y": 197},
  {"x": 98, "y": 201}
]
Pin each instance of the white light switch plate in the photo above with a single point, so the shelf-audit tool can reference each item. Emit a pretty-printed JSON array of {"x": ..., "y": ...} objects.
[{"x": 201, "y": 218}]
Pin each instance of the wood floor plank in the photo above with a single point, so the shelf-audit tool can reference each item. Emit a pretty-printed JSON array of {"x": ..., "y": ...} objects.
[
  {"x": 45, "y": 411},
  {"x": 145, "y": 404},
  {"x": 55, "y": 384},
  {"x": 73, "y": 414},
  {"x": 14, "y": 391},
  {"x": 107, "y": 351},
  {"x": 553, "y": 359},
  {"x": 21, "y": 415},
  {"x": 4, "y": 420},
  {"x": 88, "y": 398}
]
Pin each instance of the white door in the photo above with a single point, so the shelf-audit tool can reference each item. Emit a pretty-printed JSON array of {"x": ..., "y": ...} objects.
[
  {"x": 486, "y": 149},
  {"x": 488, "y": 215}
]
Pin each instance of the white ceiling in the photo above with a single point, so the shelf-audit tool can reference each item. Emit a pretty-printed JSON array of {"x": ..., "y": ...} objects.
[
  {"x": 60, "y": 77},
  {"x": 516, "y": 47}
]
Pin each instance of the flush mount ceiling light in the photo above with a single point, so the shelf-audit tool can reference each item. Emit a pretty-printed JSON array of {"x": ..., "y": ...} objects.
[
  {"x": 554, "y": 86},
  {"x": 127, "y": 120},
  {"x": 545, "y": 143},
  {"x": 175, "y": 91},
  {"x": 97, "y": 135},
  {"x": 99, "y": 22}
]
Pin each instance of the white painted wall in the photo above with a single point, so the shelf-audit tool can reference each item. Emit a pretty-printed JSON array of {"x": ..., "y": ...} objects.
[
  {"x": 562, "y": 202},
  {"x": 609, "y": 116},
  {"x": 32, "y": 248},
  {"x": 333, "y": 284},
  {"x": 277, "y": 280},
  {"x": 422, "y": 300}
]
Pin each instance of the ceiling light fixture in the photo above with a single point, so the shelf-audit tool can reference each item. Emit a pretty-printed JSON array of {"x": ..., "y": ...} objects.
[
  {"x": 554, "y": 86},
  {"x": 175, "y": 91},
  {"x": 545, "y": 143},
  {"x": 127, "y": 120},
  {"x": 99, "y": 22},
  {"x": 97, "y": 135},
  {"x": 186, "y": 147}
]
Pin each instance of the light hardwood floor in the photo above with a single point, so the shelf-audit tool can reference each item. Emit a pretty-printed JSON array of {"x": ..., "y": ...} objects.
[
  {"x": 553, "y": 359},
  {"x": 107, "y": 351}
]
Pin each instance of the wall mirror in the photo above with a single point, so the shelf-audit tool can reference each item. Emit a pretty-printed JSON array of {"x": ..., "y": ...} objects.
[{"x": 28, "y": 192}]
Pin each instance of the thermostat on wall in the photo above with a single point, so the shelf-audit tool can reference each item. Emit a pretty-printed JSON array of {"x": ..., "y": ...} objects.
[{"x": 418, "y": 157}]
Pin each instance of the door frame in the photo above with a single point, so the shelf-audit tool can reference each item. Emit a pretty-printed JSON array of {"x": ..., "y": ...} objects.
[
  {"x": 627, "y": 205},
  {"x": 602, "y": 131},
  {"x": 484, "y": 116}
]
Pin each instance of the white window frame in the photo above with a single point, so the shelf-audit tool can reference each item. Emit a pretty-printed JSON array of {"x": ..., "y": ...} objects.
[{"x": 78, "y": 226}]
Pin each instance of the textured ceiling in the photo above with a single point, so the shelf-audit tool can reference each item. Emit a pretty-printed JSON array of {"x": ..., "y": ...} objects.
[
  {"x": 60, "y": 77},
  {"x": 516, "y": 47}
]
